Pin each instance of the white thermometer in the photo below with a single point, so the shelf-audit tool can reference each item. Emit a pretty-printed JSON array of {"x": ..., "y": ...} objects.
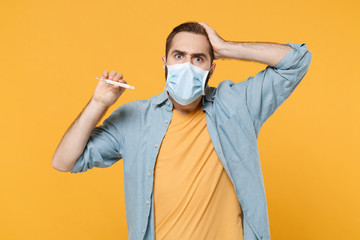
[{"x": 117, "y": 83}]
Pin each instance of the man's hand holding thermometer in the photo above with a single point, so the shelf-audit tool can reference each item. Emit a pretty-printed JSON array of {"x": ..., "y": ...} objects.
[{"x": 110, "y": 88}]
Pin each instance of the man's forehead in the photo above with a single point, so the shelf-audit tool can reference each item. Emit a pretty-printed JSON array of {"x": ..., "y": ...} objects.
[{"x": 190, "y": 43}]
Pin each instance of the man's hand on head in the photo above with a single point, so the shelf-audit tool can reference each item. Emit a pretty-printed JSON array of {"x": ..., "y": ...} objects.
[{"x": 216, "y": 41}]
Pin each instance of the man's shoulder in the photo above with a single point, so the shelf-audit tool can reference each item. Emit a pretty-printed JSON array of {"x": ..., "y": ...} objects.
[
  {"x": 227, "y": 84},
  {"x": 223, "y": 89}
]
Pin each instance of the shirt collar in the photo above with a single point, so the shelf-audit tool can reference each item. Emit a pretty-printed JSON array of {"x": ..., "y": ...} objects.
[{"x": 162, "y": 97}]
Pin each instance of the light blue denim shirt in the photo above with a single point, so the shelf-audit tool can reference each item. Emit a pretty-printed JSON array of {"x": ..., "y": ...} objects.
[{"x": 235, "y": 113}]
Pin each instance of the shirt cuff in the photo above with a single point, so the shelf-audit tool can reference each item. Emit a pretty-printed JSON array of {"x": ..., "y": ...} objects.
[{"x": 293, "y": 56}]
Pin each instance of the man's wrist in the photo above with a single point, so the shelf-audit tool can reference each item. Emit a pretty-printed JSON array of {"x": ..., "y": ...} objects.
[
  {"x": 227, "y": 49},
  {"x": 99, "y": 106}
]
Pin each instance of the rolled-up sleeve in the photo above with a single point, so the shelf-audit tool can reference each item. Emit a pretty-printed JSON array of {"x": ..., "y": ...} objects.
[
  {"x": 102, "y": 150},
  {"x": 268, "y": 89}
]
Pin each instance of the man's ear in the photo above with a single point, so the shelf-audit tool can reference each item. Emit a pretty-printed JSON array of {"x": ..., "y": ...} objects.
[
  {"x": 164, "y": 63},
  {"x": 212, "y": 69}
]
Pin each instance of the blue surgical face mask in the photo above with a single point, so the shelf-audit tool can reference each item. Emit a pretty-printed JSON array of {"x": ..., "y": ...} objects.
[{"x": 185, "y": 82}]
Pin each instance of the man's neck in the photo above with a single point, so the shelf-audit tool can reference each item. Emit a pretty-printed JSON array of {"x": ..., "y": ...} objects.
[{"x": 187, "y": 108}]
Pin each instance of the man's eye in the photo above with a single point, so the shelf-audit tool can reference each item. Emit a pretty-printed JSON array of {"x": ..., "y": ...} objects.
[
  {"x": 198, "y": 59},
  {"x": 177, "y": 56}
]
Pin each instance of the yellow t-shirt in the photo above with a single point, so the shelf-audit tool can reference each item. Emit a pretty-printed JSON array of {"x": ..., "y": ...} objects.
[{"x": 193, "y": 195}]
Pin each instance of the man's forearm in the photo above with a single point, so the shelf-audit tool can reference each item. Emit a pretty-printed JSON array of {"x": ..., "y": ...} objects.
[
  {"x": 268, "y": 53},
  {"x": 75, "y": 139}
]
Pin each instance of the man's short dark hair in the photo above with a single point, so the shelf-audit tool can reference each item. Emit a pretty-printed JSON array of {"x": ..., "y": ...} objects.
[{"x": 192, "y": 27}]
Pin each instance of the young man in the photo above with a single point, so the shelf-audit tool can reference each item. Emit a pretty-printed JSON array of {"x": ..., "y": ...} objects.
[{"x": 191, "y": 161}]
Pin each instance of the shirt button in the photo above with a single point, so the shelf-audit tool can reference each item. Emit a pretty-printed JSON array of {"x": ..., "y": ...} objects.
[
  {"x": 168, "y": 103},
  {"x": 143, "y": 230},
  {"x": 166, "y": 121},
  {"x": 147, "y": 202},
  {"x": 156, "y": 146},
  {"x": 149, "y": 173}
]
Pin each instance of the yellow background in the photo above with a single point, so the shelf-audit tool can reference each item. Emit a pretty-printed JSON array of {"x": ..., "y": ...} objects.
[{"x": 52, "y": 51}]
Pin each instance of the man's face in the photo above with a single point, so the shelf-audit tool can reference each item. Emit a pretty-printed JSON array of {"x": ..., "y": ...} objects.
[{"x": 189, "y": 47}]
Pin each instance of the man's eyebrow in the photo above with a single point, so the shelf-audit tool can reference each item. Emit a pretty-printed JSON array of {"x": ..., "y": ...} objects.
[{"x": 193, "y": 54}]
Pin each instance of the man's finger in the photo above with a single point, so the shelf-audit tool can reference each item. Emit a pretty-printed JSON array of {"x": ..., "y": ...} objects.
[
  {"x": 105, "y": 74},
  {"x": 118, "y": 77},
  {"x": 204, "y": 25},
  {"x": 112, "y": 75}
]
